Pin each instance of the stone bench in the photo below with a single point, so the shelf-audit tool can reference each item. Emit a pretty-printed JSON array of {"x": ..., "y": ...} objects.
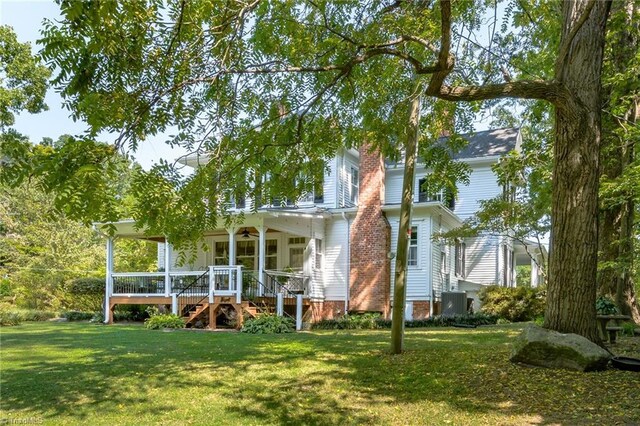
[{"x": 610, "y": 325}]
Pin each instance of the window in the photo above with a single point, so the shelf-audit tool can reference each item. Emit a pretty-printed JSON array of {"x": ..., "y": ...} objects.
[
  {"x": 318, "y": 253},
  {"x": 460, "y": 252},
  {"x": 297, "y": 240},
  {"x": 296, "y": 257},
  {"x": 444, "y": 263},
  {"x": 271, "y": 254},
  {"x": 354, "y": 187},
  {"x": 413, "y": 247},
  {"x": 246, "y": 254},
  {"x": 444, "y": 196},
  {"x": 240, "y": 201},
  {"x": 221, "y": 255}
]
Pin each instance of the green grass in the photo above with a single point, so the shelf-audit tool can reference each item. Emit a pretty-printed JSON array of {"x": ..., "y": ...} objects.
[{"x": 66, "y": 373}]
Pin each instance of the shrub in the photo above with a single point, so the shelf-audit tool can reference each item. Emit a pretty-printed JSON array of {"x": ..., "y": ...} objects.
[
  {"x": 628, "y": 329},
  {"x": 164, "y": 321},
  {"x": 268, "y": 324},
  {"x": 368, "y": 321},
  {"x": 98, "y": 317},
  {"x": 435, "y": 321},
  {"x": 605, "y": 306},
  {"x": 78, "y": 315},
  {"x": 9, "y": 318},
  {"x": 513, "y": 304},
  {"x": 85, "y": 293},
  {"x": 35, "y": 315}
]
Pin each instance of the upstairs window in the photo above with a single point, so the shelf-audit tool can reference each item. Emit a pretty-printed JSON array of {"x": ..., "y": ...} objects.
[
  {"x": 413, "y": 247},
  {"x": 444, "y": 196}
]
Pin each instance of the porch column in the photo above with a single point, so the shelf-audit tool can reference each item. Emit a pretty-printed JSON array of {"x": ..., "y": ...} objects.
[
  {"x": 232, "y": 246},
  {"x": 261, "y": 255},
  {"x": 108, "y": 288},
  {"x": 534, "y": 274},
  {"x": 168, "y": 248}
]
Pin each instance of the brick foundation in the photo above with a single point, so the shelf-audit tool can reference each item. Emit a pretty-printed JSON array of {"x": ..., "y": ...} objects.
[
  {"x": 370, "y": 236},
  {"x": 328, "y": 309},
  {"x": 420, "y": 310}
]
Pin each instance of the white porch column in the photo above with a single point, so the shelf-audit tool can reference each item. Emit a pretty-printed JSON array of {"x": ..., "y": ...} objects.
[
  {"x": 298, "y": 312},
  {"x": 238, "y": 284},
  {"x": 262, "y": 244},
  {"x": 174, "y": 304},
  {"x": 108, "y": 288},
  {"x": 232, "y": 246},
  {"x": 534, "y": 274},
  {"x": 168, "y": 248}
]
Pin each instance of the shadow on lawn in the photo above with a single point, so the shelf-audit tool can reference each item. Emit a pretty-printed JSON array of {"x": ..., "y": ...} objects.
[{"x": 308, "y": 378}]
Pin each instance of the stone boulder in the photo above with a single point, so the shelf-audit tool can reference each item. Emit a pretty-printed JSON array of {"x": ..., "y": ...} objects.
[{"x": 546, "y": 348}]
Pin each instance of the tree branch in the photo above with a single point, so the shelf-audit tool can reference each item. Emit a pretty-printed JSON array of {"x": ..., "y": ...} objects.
[{"x": 566, "y": 44}]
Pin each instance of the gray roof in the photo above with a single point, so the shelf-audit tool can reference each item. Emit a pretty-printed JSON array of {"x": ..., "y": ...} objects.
[{"x": 490, "y": 143}]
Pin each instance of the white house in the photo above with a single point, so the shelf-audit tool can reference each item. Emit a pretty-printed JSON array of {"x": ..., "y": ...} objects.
[{"x": 333, "y": 252}]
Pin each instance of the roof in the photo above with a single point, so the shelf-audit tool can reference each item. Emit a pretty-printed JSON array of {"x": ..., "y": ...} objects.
[
  {"x": 490, "y": 143},
  {"x": 485, "y": 144}
]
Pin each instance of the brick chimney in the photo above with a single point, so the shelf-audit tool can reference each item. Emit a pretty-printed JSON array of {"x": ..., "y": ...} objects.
[{"x": 370, "y": 236}]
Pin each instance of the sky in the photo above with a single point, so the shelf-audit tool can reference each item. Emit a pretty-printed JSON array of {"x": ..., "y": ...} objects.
[{"x": 26, "y": 16}]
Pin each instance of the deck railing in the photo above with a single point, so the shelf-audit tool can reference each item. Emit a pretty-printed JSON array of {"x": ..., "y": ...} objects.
[
  {"x": 294, "y": 282},
  {"x": 138, "y": 283}
]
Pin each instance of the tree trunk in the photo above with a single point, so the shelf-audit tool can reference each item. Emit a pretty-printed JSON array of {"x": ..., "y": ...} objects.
[
  {"x": 400, "y": 278},
  {"x": 574, "y": 206},
  {"x": 617, "y": 222}
]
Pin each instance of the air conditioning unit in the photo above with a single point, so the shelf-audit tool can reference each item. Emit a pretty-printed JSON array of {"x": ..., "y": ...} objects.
[{"x": 454, "y": 303}]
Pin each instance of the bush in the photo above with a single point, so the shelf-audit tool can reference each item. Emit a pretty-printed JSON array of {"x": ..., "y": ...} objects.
[
  {"x": 269, "y": 324},
  {"x": 36, "y": 315},
  {"x": 605, "y": 306},
  {"x": 513, "y": 304},
  {"x": 78, "y": 315},
  {"x": 435, "y": 321},
  {"x": 9, "y": 318},
  {"x": 628, "y": 329},
  {"x": 85, "y": 293},
  {"x": 164, "y": 321}
]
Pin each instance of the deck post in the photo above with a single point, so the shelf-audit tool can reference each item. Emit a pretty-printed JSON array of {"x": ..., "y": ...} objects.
[
  {"x": 239, "y": 284},
  {"x": 167, "y": 266},
  {"x": 108, "y": 288},
  {"x": 261, "y": 257},
  {"x": 298, "y": 312},
  {"x": 174, "y": 304},
  {"x": 279, "y": 304},
  {"x": 212, "y": 282}
]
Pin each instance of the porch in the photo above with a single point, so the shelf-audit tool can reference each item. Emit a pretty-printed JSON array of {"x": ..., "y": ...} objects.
[
  {"x": 200, "y": 297},
  {"x": 270, "y": 265}
]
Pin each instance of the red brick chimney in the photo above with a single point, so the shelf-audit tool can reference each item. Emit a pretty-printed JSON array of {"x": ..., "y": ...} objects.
[{"x": 370, "y": 237}]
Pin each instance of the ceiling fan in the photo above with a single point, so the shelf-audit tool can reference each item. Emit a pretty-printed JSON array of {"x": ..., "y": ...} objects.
[{"x": 247, "y": 234}]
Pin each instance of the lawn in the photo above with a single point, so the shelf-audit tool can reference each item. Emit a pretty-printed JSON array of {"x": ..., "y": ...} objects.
[{"x": 66, "y": 373}]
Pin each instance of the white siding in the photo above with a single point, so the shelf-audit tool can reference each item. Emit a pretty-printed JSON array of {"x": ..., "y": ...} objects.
[
  {"x": 336, "y": 259},
  {"x": 483, "y": 185},
  {"x": 330, "y": 185},
  {"x": 417, "y": 276},
  {"x": 393, "y": 186},
  {"x": 482, "y": 260}
]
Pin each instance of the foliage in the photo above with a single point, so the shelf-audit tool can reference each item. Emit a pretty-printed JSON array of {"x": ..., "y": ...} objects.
[
  {"x": 372, "y": 321},
  {"x": 9, "y": 318},
  {"x": 41, "y": 250},
  {"x": 628, "y": 328},
  {"x": 78, "y": 315},
  {"x": 268, "y": 324},
  {"x": 513, "y": 303},
  {"x": 85, "y": 294},
  {"x": 606, "y": 306},
  {"x": 24, "y": 79},
  {"x": 16, "y": 316},
  {"x": 164, "y": 321}
]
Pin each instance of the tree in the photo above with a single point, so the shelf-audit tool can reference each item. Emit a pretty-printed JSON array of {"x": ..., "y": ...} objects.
[
  {"x": 620, "y": 174},
  {"x": 24, "y": 80},
  {"x": 336, "y": 73}
]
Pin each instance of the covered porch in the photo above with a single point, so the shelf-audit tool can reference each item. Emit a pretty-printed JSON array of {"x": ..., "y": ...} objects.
[{"x": 271, "y": 262}]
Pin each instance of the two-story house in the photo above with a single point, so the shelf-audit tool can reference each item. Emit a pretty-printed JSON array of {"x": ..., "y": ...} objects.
[{"x": 335, "y": 248}]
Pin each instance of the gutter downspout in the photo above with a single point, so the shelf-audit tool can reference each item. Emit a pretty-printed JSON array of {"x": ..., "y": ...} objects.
[{"x": 346, "y": 299}]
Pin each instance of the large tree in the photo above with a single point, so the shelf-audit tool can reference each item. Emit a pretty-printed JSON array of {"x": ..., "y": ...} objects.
[{"x": 258, "y": 84}]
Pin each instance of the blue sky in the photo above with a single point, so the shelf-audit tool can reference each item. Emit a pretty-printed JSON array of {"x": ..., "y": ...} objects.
[{"x": 26, "y": 16}]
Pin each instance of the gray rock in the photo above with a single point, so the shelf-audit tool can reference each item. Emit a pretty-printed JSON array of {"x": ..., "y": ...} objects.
[{"x": 547, "y": 348}]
